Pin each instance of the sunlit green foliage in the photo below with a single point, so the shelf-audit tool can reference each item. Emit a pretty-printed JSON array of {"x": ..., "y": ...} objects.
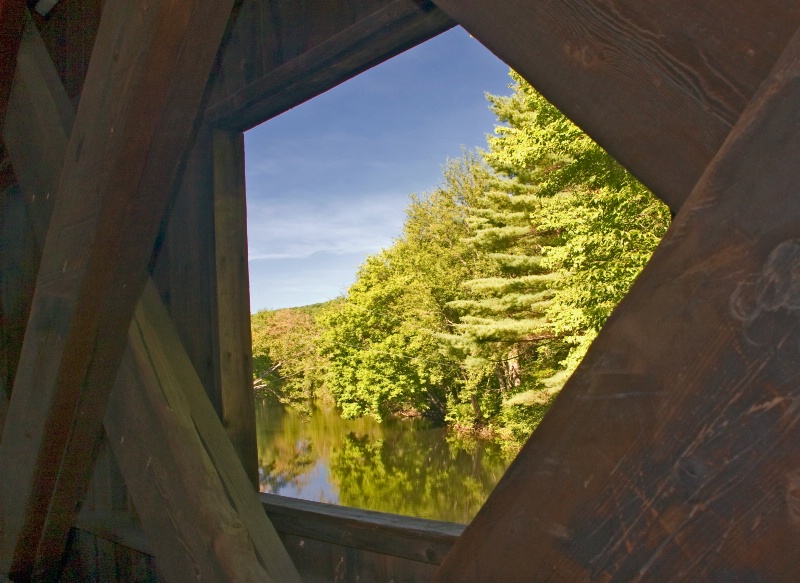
[
  {"x": 383, "y": 343},
  {"x": 287, "y": 365},
  {"x": 479, "y": 312}
]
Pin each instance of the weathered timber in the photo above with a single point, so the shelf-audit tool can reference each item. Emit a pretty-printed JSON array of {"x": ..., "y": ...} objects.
[
  {"x": 233, "y": 299},
  {"x": 175, "y": 487},
  {"x": 106, "y": 494},
  {"x": 11, "y": 15},
  {"x": 672, "y": 454},
  {"x": 405, "y": 537},
  {"x": 326, "y": 542},
  {"x": 185, "y": 397},
  {"x": 379, "y": 36},
  {"x": 657, "y": 85},
  {"x": 184, "y": 268},
  {"x": 69, "y": 32},
  {"x": 18, "y": 262},
  {"x": 37, "y": 128},
  {"x": 117, "y": 528},
  {"x": 93, "y": 558},
  {"x": 148, "y": 73},
  {"x": 36, "y": 163}
]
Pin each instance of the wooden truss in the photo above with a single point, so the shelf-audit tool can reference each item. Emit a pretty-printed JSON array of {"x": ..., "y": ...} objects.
[{"x": 670, "y": 455}]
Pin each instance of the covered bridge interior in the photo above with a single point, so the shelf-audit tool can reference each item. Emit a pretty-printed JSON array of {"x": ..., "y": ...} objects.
[{"x": 128, "y": 446}]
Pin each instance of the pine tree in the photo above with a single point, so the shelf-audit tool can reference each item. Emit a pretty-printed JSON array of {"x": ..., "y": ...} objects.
[{"x": 553, "y": 221}]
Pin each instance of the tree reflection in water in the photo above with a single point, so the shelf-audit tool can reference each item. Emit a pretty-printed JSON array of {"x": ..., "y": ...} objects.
[{"x": 399, "y": 466}]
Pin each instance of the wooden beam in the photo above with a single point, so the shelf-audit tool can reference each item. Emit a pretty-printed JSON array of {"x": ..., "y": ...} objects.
[
  {"x": 170, "y": 383},
  {"x": 233, "y": 299},
  {"x": 400, "y": 25},
  {"x": 672, "y": 453},
  {"x": 11, "y": 14},
  {"x": 405, "y": 537},
  {"x": 37, "y": 107},
  {"x": 167, "y": 362},
  {"x": 148, "y": 73},
  {"x": 657, "y": 85},
  {"x": 171, "y": 456}
]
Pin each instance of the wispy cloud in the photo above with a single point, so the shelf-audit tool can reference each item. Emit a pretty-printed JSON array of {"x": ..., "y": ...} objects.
[{"x": 300, "y": 228}]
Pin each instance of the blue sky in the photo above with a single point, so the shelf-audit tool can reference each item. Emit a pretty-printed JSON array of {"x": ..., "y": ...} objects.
[{"x": 328, "y": 182}]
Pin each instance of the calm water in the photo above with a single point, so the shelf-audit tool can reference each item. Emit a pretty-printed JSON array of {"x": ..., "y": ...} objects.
[{"x": 399, "y": 466}]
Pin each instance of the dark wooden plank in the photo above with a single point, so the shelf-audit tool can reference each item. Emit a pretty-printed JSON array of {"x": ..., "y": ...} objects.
[
  {"x": 184, "y": 269},
  {"x": 323, "y": 562},
  {"x": 142, "y": 94},
  {"x": 11, "y": 13},
  {"x": 659, "y": 85},
  {"x": 115, "y": 527},
  {"x": 183, "y": 506},
  {"x": 18, "y": 265},
  {"x": 69, "y": 32},
  {"x": 383, "y": 34},
  {"x": 37, "y": 129},
  {"x": 105, "y": 495},
  {"x": 672, "y": 453},
  {"x": 177, "y": 459},
  {"x": 406, "y": 537},
  {"x": 233, "y": 299}
]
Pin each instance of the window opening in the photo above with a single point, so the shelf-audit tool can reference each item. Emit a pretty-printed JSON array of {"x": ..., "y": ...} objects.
[{"x": 418, "y": 343}]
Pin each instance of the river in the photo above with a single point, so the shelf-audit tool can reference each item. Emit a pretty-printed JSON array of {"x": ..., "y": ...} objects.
[{"x": 399, "y": 466}]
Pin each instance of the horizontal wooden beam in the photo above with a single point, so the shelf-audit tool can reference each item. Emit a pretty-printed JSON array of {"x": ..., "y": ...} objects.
[
  {"x": 406, "y": 537},
  {"x": 672, "y": 453},
  {"x": 148, "y": 74},
  {"x": 657, "y": 85},
  {"x": 386, "y": 33}
]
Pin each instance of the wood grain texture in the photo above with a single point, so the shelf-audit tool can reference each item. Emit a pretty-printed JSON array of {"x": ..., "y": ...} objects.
[
  {"x": 658, "y": 85},
  {"x": 178, "y": 494},
  {"x": 185, "y": 397},
  {"x": 379, "y": 36},
  {"x": 106, "y": 493},
  {"x": 672, "y": 454},
  {"x": 184, "y": 268},
  {"x": 35, "y": 108},
  {"x": 69, "y": 32},
  {"x": 135, "y": 118},
  {"x": 37, "y": 129},
  {"x": 19, "y": 258},
  {"x": 233, "y": 299},
  {"x": 11, "y": 21},
  {"x": 93, "y": 559},
  {"x": 404, "y": 537}
]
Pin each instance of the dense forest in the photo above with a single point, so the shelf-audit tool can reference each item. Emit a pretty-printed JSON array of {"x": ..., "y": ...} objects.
[{"x": 479, "y": 311}]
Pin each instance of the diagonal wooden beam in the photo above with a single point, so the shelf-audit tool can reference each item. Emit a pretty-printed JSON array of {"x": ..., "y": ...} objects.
[
  {"x": 658, "y": 85},
  {"x": 672, "y": 454},
  {"x": 149, "y": 69},
  {"x": 387, "y": 32},
  {"x": 11, "y": 14},
  {"x": 174, "y": 440},
  {"x": 162, "y": 378}
]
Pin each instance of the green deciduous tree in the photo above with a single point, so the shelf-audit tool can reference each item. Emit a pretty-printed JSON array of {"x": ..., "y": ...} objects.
[
  {"x": 383, "y": 343},
  {"x": 286, "y": 362}
]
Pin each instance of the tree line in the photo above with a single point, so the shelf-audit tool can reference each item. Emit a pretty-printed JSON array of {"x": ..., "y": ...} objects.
[{"x": 479, "y": 311}]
